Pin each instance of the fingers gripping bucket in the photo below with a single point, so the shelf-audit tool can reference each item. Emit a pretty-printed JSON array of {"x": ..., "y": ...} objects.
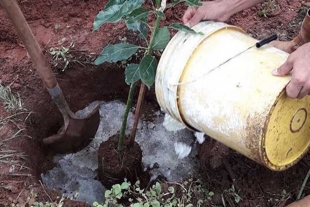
[{"x": 239, "y": 103}]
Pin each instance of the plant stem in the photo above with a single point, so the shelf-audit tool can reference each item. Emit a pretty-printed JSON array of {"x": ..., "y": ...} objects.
[
  {"x": 157, "y": 4},
  {"x": 150, "y": 46},
  {"x": 125, "y": 117},
  {"x": 142, "y": 87}
]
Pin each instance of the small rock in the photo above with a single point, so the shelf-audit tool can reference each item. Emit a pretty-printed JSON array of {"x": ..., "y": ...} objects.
[{"x": 74, "y": 13}]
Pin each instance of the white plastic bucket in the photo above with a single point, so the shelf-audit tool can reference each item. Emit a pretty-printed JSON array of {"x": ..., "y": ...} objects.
[{"x": 240, "y": 103}]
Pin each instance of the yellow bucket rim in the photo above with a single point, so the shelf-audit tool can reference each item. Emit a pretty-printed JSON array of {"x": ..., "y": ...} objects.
[{"x": 287, "y": 132}]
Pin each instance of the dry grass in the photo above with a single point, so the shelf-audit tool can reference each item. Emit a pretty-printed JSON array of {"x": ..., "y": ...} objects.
[
  {"x": 11, "y": 101},
  {"x": 11, "y": 129},
  {"x": 12, "y": 158}
]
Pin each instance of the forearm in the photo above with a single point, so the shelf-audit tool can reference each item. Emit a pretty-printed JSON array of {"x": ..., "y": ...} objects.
[{"x": 234, "y": 6}]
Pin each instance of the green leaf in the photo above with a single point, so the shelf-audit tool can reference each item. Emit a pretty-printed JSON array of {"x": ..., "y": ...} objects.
[
  {"x": 114, "y": 53},
  {"x": 115, "y": 10},
  {"x": 161, "y": 39},
  {"x": 155, "y": 203},
  {"x": 147, "y": 70},
  {"x": 125, "y": 185},
  {"x": 158, "y": 188},
  {"x": 132, "y": 75},
  {"x": 177, "y": 1},
  {"x": 137, "y": 205},
  {"x": 107, "y": 193},
  {"x": 138, "y": 14},
  {"x": 156, "y": 3},
  {"x": 171, "y": 189},
  {"x": 153, "y": 193},
  {"x": 117, "y": 189},
  {"x": 184, "y": 28},
  {"x": 161, "y": 14},
  {"x": 137, "y": 26},
  {"x": 135, "y": 21},
  {"x": 237, "y": 198},
  {"x": 193, "y": 3},
  {"x": 119, "y": 195}
]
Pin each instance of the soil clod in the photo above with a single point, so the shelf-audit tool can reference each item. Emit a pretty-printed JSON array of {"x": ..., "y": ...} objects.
[{"x": 114, "y": 166}]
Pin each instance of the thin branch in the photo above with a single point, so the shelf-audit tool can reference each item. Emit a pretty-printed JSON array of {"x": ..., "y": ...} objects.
[{"x": 137, "y": 115}]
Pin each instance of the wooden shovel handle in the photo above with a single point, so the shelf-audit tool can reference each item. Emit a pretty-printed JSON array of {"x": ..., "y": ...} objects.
[{"x": 17, "y": 18}]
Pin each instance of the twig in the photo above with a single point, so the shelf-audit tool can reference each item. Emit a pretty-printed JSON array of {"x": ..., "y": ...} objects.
[
  {"x": 19, "y": 174},
  {"x": 178, "y": 185},
  {"x": 137, "y": 115},
  {"x": 45, "y": 191},
  {"x": 21, "y": 190},
  {"x": 7, "y": 151},
  {"x": 20, "y": 113},
  {"x": 14, "y": 136},
  {"x": 229, "y": 170},
  {"x": 223, "y": 201}
]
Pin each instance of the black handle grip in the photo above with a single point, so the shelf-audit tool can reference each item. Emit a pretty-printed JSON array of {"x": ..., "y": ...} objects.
[{"x": 266, "y": 40}]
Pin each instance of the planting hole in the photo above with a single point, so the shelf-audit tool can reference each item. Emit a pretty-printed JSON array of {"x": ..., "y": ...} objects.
[{"x": 75, "y": 175}]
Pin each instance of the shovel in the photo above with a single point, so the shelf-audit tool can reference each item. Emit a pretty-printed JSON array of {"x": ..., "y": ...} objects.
[{"x": 77, "y": 132}]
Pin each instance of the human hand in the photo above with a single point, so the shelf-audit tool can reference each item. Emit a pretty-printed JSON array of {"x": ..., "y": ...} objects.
[
  {"x": 216, "y": 10},
  {"x": 301, "y": 203},
  {"x": 210, "y": 10},
  {"x": 298, "y": 63}
]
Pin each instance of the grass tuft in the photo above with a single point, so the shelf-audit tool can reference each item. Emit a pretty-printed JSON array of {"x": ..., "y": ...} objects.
[
  {"x": 300, "y": 193},
  {"x": 11, "y": 101}
]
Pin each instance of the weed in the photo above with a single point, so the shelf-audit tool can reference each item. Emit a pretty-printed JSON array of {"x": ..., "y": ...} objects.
[
  {"x": 61, "y": 55},
  {"x": 12, "y": 102},
  {"x": 268, "y": 6},
  {"x": 231, "y": 192},
  {"x": 49, "y": 204},
  {"x": 187, "y": 194},
  {"x": 278, "y": 199}
]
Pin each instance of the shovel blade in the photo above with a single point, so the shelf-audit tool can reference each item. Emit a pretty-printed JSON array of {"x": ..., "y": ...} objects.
[{"x": 76, "y": 134}]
